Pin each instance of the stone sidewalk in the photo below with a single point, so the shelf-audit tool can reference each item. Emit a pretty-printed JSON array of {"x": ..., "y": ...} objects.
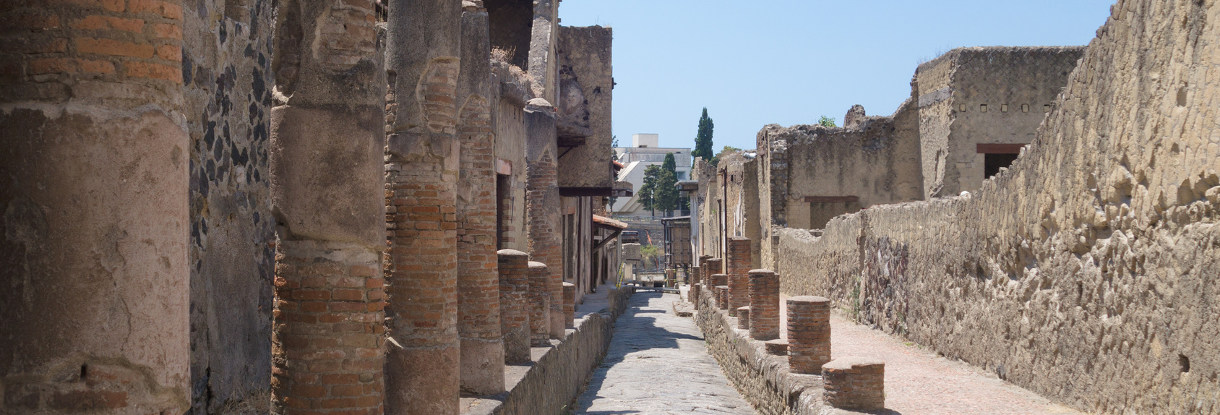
[{"x": 658, "y": 364}]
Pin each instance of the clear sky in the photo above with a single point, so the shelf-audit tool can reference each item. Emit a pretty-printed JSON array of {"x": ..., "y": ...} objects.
[{"x": 753, "y": 63}]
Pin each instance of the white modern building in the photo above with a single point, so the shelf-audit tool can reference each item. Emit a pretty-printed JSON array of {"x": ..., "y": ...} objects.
[{"x": 644, "y": 152}]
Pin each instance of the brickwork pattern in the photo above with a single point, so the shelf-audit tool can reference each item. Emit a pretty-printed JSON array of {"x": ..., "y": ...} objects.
[
  {"x": 328, "y": 335},
  {"x": 739, "y": 266},
  {"x": 695, "y": 283},
  {"x": 777, "y": 347},
  {"x": 764, "y": 304},
  {"x": 569, "y": 305},
  {"x": 545, "y": 231},
  {"x": 712, "y": 267},
  {"x": 514, "y": 305},
  {"x": 540, "y": 304},
  {"x": 743, "y": 318},
  {"x": 808, "y": 334},
  {"x": 722, "y": 296},
  {"x": 854, "y": 383},
  {"x": 720, "y": 280}
]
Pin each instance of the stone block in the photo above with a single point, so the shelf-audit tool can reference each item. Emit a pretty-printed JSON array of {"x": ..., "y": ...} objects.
[{"x": 854, "y": 383}]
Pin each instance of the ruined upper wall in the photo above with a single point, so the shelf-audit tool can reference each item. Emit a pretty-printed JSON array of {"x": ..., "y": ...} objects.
[
  {"x": 586, "y": 84},
  {"x": 1084, "y": 272},
  {"x": 983, "y": 95}
]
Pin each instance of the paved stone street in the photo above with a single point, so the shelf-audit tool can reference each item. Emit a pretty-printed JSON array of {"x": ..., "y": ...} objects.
[{"x": 658, "y": 364}]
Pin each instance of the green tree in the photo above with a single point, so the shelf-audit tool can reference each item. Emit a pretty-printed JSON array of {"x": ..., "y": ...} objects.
[
  {"x": 648, "y": 190},
  {"x": 826, "y": 121},
  {"x": 703, "y": 139},
  {"x": 668, "y": 196}
]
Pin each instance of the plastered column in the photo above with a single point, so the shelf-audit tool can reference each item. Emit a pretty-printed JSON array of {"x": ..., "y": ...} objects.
[
  {"x": 327, "y": 141},
  {"x": 514, "y": 305},
  {"x": 764, "y": 304},
  {"x": 808, "y": 334},
  {"x": 94, "y": 157},
  {"x": 543, "y": 218},
  {"x": 422, "y": 162},
  {"x": 739, "y": 278},
  {"x": 539, "y": 304},
  {"x": 482, "y": 347}
]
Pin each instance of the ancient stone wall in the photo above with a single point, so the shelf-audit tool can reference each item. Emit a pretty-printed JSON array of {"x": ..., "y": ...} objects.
[
  {"x": 959, "y": 95},
  {"x": 586, "y": 83},
  {"x": 226, "y": 59},
  {"x": 1082, "y": 271},
  {"x": 510, "y": 91}
]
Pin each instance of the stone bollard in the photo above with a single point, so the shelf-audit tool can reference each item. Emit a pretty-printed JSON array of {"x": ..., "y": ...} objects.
[
  {"x": 722, "y": 297},
  {"x": 693, "y": 294},
  {"x": 713, "y": 267},
  {"x": 854, "y": 383},
  {"x": 743, "y": 318},
  {"x": 764, "y": 304},
  {"x": 569, "y": 305},
  {"x": 540, "y": 305},
  {"x": 738, "y": 272},
  {"x": 514, "y": 305},
  {"x": 808, "y": 334},
  {"x": 778, "y": 347}
]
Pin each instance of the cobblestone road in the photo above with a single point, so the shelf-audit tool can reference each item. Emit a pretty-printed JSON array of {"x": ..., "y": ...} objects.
[{"x": 658, "y": 364}]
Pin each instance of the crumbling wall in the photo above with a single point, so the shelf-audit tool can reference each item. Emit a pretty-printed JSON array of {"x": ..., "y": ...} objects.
[
  {"x": 227, "y": 96},
  {"x": 959, "y": 95},
  {"x": 510, "y": 91},
  {"x": 1084, "y": 272},
  {"x": 586, "y": 83}
]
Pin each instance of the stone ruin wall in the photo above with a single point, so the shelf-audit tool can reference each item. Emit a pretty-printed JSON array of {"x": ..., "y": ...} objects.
[
  {"x": 226, "y": 54},
  {"x": 742, "y": 201},
  {"x": 963, "y": 105},
  {"x": 1081, "y": 271},
  {"x": 586, "y": 84}
]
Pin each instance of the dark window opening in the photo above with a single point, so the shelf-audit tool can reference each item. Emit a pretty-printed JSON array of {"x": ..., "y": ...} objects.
[
  {"x": 992, "y": 162},
  {"x": 510, "y": 23}
]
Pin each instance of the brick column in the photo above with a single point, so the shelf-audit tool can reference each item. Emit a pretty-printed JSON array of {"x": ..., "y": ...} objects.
[
  {"x": 327, "y": 187},
  {"x": 808, "y": 334},
  {"x": 854, "y": 383},
  {"x": 569, "y": 305},
  {"x": 422, "y": 161},
  {"x": 719, "y": 280},
  {"x": 743, "y": 318},
  {"x": 482, "y": 347},
  {"x": 739, "y": 278},
  {"x": 514, "y": 305},
  {"x": 722, "y": 296},
  {"x": 764, "y": 304},
  {"x": 693, "y": 294},
  {"x": 540, "y": 304},
  {"x": 544, "y": 221},
  {"x": 94, "y": 155},
  {"x": 670, "y": 277},
  {"x": 712, "y": 267}
]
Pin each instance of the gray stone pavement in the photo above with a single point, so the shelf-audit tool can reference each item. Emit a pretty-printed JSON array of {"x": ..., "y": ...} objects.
[{"x": 658, "y": 364}]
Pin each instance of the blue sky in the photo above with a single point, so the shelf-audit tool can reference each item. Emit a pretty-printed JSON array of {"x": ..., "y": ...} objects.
[{"x": 753, "y": 63}]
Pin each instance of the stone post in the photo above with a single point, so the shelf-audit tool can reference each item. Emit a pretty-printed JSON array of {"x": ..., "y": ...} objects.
[
  {"x": 739, "y": 278},
  {"x": 540, "y": 304},
  {"x": 327, "y": 187},
  {"x": 482, "y": 347},
  {"x": 854, "y": 383},
  {"x": 422, "y": 162},
  {"x": 693, "y": 294},
  {"x": 712, "y": 268},
  {"x": 544, "y": 221},
  {"x": 670, "y": 278},
  {"x": 808, "y": 334},
  {"x": 722, "y": 296},
  {"x": 569, "y": 305},
  {"x": 94, "y": 157},
  {"x": 514, "y": 305},
  {"x": 743, "y": 318},
  {"x": 764, "y": 304}
]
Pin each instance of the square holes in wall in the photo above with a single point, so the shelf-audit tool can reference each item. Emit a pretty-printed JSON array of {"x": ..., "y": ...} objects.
[
  {"x": 1003, "y": 107},
  {"x": 982, "y": 107},
  {"x": 1024, "y": 107}
]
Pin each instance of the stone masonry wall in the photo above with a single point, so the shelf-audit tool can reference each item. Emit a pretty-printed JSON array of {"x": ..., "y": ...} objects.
[
  {"x": 1082, "y": 272},
  {"x": 586, "y": 86}
]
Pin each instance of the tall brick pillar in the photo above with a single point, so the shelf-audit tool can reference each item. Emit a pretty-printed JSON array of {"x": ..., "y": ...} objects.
[
  {"x": 712, "y": 267},
  {"x": 94, "y": 157},
  {"x": 422, "y": 53},
  {"x": 764, "y": 304},
  {"x": 482, "y": 347},
  {"x": 326, "y": 189},
  {"x": 540, "y": 304},
  {"x": 544, "y": 221},
  {"x": 514, "y": 305},
  {"x": 569, "y": 305},
  {"x": 808, "y": 334},
  {"x": 739, "y": 269}
]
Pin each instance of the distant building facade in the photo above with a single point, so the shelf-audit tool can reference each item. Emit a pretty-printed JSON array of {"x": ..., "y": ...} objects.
[{"x": 644, "y": 152}]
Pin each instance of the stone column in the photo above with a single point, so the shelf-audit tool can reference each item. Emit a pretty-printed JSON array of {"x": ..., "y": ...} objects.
[
  {"x": 422, "y": 52},
  {"x": 94, "y": 156},
  {"x": 514, "y": 305},
  {"x": 482, "y": 347},
  {"x": 854, "y": 383},
  {"x": 544, "y": 221},
  {"x": 739, "y": 278},
  {"x": 722, "y": 296},
  {"x": 569, "y": 305},
  {"x": 540, "y": 304},
  {"x": 693, "y": 294},
  {"x": 327, "y": 181},
  {"x": 764, "y": 304},
  {"x": 808, "y": 334}
]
